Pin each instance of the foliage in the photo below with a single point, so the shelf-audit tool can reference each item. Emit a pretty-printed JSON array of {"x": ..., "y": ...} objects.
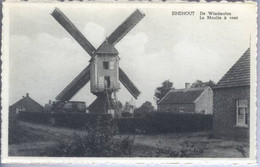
[
  {"x": 199, "y": 83},
  {"x": 131, "y": 125},
  {"x": 164, "y": 122},
  {"x": 165, "y": 87},
  {"x": 187, "y": 150},
  {"x": 126, "y": 114},
  {"x": 241, "y": 148},
  {"x": 143, "y": 109},
  {"x": 98, "y": 141},
  {"x": 119, "y": 105},
  {"x": 15, "y": 132}
]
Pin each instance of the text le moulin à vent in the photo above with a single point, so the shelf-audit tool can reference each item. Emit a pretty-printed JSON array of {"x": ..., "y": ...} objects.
[{"x": 207, "y": 15}]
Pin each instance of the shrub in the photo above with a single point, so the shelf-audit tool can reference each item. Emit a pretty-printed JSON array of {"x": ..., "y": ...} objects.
[
  {"x": 126, "y": 114},
  {"x": 131, "y": 125},
  {"x": 187, "y": 150},
  {"x": 98, "y": 141},
  {"x": 241, "y": 148},
  {"x": 15, "y": 132},
  {"x": 138, "y": 113}
]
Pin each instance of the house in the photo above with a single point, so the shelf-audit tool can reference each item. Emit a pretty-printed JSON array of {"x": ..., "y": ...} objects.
[
  {"x": 188, "y": 100},
  {"x": 25, "y": 104},
  {"x": 231, "y": 101}
]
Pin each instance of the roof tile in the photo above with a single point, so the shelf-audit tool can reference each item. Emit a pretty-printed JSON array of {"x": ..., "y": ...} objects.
[
  {"x": 238, "y": 74},
  {"x": 182, "y": 96}
]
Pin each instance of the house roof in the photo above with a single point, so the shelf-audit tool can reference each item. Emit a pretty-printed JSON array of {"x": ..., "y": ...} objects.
[
  {"x": 76, "y": 102},
  {"x": 28, "y": 103},
  {"x": 238, "y": 74},
  {"x": 182, "y": 96},
  {"x": 106, "y": 48}
]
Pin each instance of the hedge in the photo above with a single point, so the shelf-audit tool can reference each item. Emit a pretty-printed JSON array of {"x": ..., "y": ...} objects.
[
  {"x": 154, "y": 122},
  {"x": 72, "y": 120},
  {"x": 126, "y": 114},
  {"x": 164, "y": 122}
]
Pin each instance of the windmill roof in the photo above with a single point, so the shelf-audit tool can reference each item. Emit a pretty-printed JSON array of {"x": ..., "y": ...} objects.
[
  {"x": 107, "y": 48},
  {"x": 182, "y": 96},
  {"x": 238, "y": 74},
  {"x": 28, "y": 103}
]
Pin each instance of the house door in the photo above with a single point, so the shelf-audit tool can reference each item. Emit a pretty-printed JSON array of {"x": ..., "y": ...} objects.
[{"x": 107, "y": 81}]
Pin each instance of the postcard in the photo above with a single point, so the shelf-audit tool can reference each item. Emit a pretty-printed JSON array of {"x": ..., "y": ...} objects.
[{"x": 152, "y": 83}]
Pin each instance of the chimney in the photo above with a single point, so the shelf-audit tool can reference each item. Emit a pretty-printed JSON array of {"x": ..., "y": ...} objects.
[
  {"x": 49, "y": 101},
  {"x": 27, "y": 94},
  {"x": 187, "y": 85}
]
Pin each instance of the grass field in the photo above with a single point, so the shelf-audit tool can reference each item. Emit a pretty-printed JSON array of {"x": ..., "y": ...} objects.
[{"x": 40, "y": 137}]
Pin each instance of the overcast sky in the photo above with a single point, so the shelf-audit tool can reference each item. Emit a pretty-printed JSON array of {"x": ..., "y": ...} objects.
[{"x": 44, "y": 58}]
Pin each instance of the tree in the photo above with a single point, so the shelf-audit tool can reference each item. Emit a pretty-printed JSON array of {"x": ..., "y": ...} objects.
[
  {"x": 144, "y": 108},
  {"x": 199, "y": 83},
  {"x": 127, "y": 107},
  {"x": 166, "y": 86},
  {"x": 119, "y": 105}
]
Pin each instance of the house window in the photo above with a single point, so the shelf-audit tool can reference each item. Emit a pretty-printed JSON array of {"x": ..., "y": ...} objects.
[
  {"x": 182, "y": 109},
  {"x": 108, "y": 65},
  {"x": 242, "y": 112},
  {"x": 17, "y": 110}
]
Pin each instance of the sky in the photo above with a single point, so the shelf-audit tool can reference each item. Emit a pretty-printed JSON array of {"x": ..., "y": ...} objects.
[{"x": 44, "y": 58}]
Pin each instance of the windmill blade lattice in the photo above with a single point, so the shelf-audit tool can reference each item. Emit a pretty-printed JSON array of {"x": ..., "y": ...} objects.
[
  {"x": 80, "y": 81},
  {"x": 73, "y": 31},
  {"x": 128, "y": 84},
  {"x": 125, "y": 27}
]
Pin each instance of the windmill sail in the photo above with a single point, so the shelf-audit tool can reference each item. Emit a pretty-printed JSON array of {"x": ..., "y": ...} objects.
[
  {"x": 128, "y": 84},
  {"x": 81, "y": 80},
  {"x": 73, "y": 31},
  {"x": 125, "y": 27},
  {"x": 84, "y": 77}
]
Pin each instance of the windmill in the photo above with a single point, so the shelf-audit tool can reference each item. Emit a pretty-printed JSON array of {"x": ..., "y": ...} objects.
[{"x": 103, "y": 71}]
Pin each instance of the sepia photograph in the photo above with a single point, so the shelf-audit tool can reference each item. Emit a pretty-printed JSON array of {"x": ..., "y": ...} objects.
[{"x": 154, "y": 81}]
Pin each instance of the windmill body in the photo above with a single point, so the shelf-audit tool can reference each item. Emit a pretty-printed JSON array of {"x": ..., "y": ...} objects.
[{"x": 103, "y": 72}]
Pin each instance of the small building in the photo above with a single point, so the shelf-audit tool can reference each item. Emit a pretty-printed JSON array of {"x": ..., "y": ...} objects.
[
  {"x": 188, "y": 100},
  {"x": 231, "y": 101},
  {"x": 25, "y": 104},
  {"x": 78, "y": 106},
  {"x": 69, "y": 106}
]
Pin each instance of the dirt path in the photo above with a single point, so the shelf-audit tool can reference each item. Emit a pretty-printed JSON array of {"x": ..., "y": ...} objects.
[{"x": 46, "y": 136}]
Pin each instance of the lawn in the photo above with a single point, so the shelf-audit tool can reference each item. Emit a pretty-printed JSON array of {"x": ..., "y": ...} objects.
[{"x": 38, "y": 138}]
